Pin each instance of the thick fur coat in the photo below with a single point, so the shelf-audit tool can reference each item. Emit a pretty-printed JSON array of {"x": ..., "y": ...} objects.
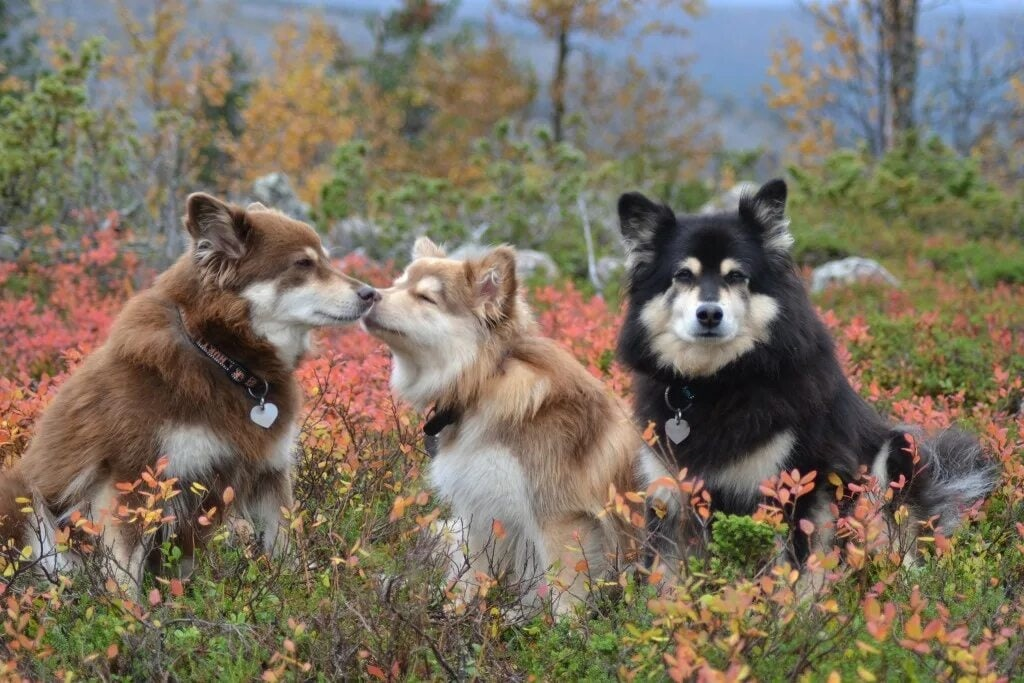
[
  {"x": 253, "y": 284},
  {"x": 532, "y": 442},
  {"x": 719, "y": 326}
]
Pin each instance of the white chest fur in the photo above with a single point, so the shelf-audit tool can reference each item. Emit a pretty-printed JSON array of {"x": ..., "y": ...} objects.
[
  {"x": 742, "y": 479},
  {"x": 482, "y": 481},
  {"x": 194, "y": 451}
]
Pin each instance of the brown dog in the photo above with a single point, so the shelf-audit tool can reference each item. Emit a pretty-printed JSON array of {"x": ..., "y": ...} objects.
[
  {"x": 529, "y": 442},
  {"x": 199, "y": 368}
]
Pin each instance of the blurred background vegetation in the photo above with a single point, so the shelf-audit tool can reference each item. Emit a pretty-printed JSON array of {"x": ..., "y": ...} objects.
[
  {"x": 898, "y": 123},
  {"x": 505, "y": 120}
]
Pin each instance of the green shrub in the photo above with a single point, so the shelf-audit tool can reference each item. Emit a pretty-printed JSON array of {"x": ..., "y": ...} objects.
[
  {"x": 985, "y": 262},
  {"x": 58, "y": 154},
  {"x": 924, "y": 183},
  {"x": 741, "y": 544}
]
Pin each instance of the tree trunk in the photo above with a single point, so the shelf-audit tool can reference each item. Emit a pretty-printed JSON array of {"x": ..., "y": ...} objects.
[
  {"x": 558, "y": 83},
  {"x": 900, "y": 29}
]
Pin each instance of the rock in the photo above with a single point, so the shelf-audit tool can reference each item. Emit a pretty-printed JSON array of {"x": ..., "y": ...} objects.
[
  {"x": 730, "y": 199},
  {"x": 352, "y": 233},
  {"x": 529, "y": 262},
  {"x": 274, "y": 190},
  {"x": 10, "y": 247},
  {"x": 609, "y": 269},
  {"x": 466, "y": 251},
  {"x": 849, "y": 270}
]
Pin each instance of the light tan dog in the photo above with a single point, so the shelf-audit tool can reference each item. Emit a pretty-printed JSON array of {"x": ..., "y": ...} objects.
[
  {"x": 198, "y": 369},
  {"x": 526, "y": 437}
]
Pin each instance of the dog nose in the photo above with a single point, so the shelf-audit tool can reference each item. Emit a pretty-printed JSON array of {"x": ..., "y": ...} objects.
[
  {"x": 709, "y": 315},
  {"x": 368, "y": 293}
]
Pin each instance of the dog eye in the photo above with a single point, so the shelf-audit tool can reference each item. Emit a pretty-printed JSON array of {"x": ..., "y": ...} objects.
[
  {"x": 684, "y": 275},
  {"x": 424, "y": 298},
  {"x": 736, "y": 277},
  {"x": 304, "y": 263}
]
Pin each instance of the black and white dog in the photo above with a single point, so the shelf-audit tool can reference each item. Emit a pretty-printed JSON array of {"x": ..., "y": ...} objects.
[{"x": 740, "y": 376}]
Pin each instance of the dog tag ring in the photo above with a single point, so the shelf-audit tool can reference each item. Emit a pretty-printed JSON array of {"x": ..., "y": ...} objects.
[
  {"x": 266, "y": 413},
  {"x": 677, "y": 429}
]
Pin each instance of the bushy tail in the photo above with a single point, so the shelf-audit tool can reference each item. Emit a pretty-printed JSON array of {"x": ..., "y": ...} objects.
[
  {"x": 13, "y": 522},
  {"x": 951, "y": 473}
]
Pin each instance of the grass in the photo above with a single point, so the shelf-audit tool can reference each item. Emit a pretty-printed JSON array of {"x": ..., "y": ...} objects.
[{"x": 358, "y": 594}]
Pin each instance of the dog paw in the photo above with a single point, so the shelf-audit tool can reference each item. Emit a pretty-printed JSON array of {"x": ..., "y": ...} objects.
[{"x": 242, "y": 531}]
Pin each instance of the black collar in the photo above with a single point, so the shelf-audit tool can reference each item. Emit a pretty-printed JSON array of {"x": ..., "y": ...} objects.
[
  {"x": 682, "y": 407},
  {"x": 439, "y": 419},
  {"x": 257, "y": 387}
]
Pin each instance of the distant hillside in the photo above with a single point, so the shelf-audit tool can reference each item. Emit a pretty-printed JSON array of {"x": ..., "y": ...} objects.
[{"x": 730, "y": 43}]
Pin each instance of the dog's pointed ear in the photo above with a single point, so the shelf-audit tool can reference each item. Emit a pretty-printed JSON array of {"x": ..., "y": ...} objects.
[
  {"x": 256, "y": 206},
  {"x": 640, "y": 221},
  {"x": 765, "y": 211},
  {"x": 495, "y": 287},
  {"x": 217, "y": 228},
  {"x": 424, "y": 247}
]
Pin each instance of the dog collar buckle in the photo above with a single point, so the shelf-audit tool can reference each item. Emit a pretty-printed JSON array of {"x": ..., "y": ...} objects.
[
  {"x": 438, "y": 420},
  {"x": 435, "y": 424}
]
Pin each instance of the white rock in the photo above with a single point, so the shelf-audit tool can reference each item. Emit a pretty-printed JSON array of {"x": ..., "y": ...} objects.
[
  {"x": 274, "y": 191},
  {"x": 849, "y": 270},
  {"x": 529, "y": 262},
  {"x": 10, "y": 247},
  {"x": 609, "y": 269},
  {"x": 352, "y": 233}
]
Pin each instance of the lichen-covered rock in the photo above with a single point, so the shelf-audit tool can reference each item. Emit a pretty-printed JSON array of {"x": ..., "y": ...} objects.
[
  {"x": 849, "y": 270},
  {"x": 609, "y": 269},
  {"x": 529, "y": 262},
  {"x": 10, "y": 247},
  {"x": 274, "y": 190},
  {"x": 354, "y": 233}
]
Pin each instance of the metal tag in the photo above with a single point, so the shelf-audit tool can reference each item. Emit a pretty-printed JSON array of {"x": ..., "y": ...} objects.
[
  {"x": 677, "y": 429},
  {"x": 266, "y": 413}
]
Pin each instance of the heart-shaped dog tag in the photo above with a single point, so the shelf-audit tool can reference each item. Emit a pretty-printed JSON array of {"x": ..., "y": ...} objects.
[
  {"x": 265, "y": 414},
  {"x": 677, "y": 429}
]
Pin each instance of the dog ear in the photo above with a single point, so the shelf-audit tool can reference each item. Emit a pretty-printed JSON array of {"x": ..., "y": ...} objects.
[
  {"x": 216, "y": 227},
  {"x": 640, "y": 221},
  {"x": 494, "y": 284},
  {"x": 424, "y": 247},
  {"x": 219, "y": 234},
  {"x": 765, "y": 211},
  {"x": 256, "y": 206}
]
